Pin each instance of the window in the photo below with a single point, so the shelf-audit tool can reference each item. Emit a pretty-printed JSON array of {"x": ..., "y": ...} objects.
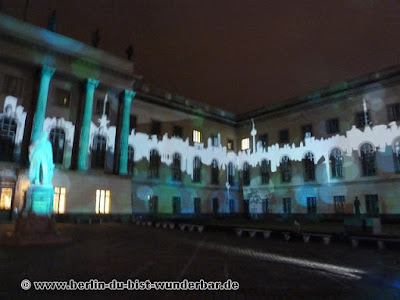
[
  {"x": 231, "y": 174},
  {"x": 336, "y": 162},
  {"x": 368, "y": 160},
  {"x": 100, "y": 109},
  {"x": 59, "y": 200},
  {"x": 62, "y": 97},
  {"x": 286, "y": 170},
  {"x": 214, "y": 172},
  {"x": 230, "y": 145},
  {"x": 396, "y": 156},
  {"x": 99, "y": 151},
  {"x": 246, "y": 174},
  {"x": 393, "y": 112},
  {"x": 131, "y": 161},
  {"x": 103, "y": 201},
  {"x": 245, "y": 144},
  {"x": 332, "y": 126},
  {"x": 306, "y": 130},
  {"x": 176, "y": 205},
  {"x": 215, "y": 204},
  {"x": 214, "y": 140},
  {"x": 338, "y": 201},
  {"x": 12, "y": 86},
  {"x": 309, "y": 167},
  {"x": 311, "y": 205},
  {"x": 176, "y": 167},
  {"x": 232, "y": 206},
  {"x": 197, "y": 205},
  {"x": 8, "y": 129},
  {"x": 362, "y": 119},
  {"x": 153, "y": 204},
  {"x": 155, "y": 127},
  {"x": 57, "y": 140},
  {"x": 197, "y": 136},
  {"x": 287, "y": 206},
  {"x": 132, "y": 122},
  {"x": 264, "y": 172},
  {"x": 196, "y": 169},
  {"x": 177, "y": 131},
  {"x": 5, "y": 198},
  {"x": 265, "y": 205},
  {"x": 284, "y": 136},
  {"x": 264, "y": 140},
  {"x": 372, "y": 204},
  {"x": 154, "y": 164}
]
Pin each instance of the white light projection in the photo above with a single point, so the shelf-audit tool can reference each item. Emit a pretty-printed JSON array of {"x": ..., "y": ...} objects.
[
  {"x": 12, "y": 110},
  {"x": 67, "y": 126}
]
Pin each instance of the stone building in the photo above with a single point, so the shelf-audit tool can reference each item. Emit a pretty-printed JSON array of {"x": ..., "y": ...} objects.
[{"x": 123, "y": 147}]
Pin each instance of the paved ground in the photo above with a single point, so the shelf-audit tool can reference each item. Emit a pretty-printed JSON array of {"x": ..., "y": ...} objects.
[{"x": 269, "y": 269}]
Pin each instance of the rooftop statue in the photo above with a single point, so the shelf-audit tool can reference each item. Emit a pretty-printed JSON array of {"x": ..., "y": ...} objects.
[{"x": 41, "y": 161}]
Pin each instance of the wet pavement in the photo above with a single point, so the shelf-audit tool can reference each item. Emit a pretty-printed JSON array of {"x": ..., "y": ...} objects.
[{"x": 264, "y": 269}]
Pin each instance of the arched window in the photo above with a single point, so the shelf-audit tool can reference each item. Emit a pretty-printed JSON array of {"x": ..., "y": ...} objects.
[
  {"x": 99, "y": 151},
  {"x": 176, "y": 167},
  {"x": 154, "y": 164},
  {"x": 57, "y": 140},
  {"x": 309, "y": 167},
  {"x": 336, "y": 162},
  {"x": 196, "y": 169},
  {"x": 246, "y": 174},
  {"x": 264, "y": 172},
  {"x": 286, "y": 169},
  {"x": 8, "y": 129},
  {"x": 231, "y": 173},
  {"x": 131, "y": 156},
  {"x": 368, "y": 160},
  {"x": 396, "y": 156},
  {"x": 214, "y": 172}
]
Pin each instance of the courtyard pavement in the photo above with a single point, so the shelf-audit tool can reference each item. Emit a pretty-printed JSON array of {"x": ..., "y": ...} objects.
[{"x": 264, "y": 269}]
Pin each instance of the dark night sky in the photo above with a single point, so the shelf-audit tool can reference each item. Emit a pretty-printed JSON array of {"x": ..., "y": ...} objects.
[{"x": 235, "y": 54}]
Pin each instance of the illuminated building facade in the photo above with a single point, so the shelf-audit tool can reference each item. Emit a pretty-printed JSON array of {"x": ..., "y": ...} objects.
[{"x": 122, "y": 146}]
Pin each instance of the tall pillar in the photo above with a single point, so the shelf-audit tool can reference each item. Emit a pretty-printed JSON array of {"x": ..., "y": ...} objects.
[
  {"x": 83, "y": 154},
  {"x": 123, "y": 158},
  {"x": 40, "y": 112}
]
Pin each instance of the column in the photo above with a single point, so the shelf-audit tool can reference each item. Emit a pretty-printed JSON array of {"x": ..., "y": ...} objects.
[
  {"x": 40, "y": 112},
  {"x": 123, "y": 158},
  {"x": 91, "y": 85}
]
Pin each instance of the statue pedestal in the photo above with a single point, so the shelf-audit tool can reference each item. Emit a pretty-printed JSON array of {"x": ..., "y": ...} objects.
[{"x": 40, "y": 199}]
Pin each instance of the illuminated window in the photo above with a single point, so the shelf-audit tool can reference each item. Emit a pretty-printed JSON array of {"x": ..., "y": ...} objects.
[
  {"x": 368, "y": 160},
  {"x": 306, "y": 130},
  {"x": 176, "y": 205},
  {"x": 338, "y": 201},
  {"x": 336, "y": 162},
  {"x": 103, "y": 201},
  {"x": 372, "y": 204},
  {"x": 246, "y": 174},
  {"x": 231, "y": 173},
  {"x": 5, "y": 198},
  {"x": 154, "y": 164},
  {"x": 99, "y": 151},
  {"x": 393, "y": 112},
  {"x": 264, "y": 172},
  {"x": 62, "y": 97},
  {"x": 245, "y": 144},
  {"x": 286, "y": 169},
  {"x": 309, "y": 167},
  {"x": 8, "y": 129},
  {"x": 287, "y": 205},
  {"x": 57, "y": 140},
  {"x": 311, "y": 205},
  {"x": 396, "y": 156},
  {"x": 59, "y": 200},
  {"x": 131, "y": 156},
  {"x": 214, "y": 172},
  {"x": 176, "y": 167},
  {"x": 196, "y": 169},
  {"x": 196, "y": 136},
  {"x": 284, "y": 136}
]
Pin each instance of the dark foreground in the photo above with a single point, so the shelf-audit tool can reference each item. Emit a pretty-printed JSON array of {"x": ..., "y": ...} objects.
[{"x": 265, "y": 269}]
